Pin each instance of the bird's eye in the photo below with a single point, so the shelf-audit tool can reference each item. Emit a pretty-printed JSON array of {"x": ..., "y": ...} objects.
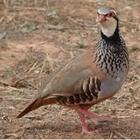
[{"x": 111, "y": 14}]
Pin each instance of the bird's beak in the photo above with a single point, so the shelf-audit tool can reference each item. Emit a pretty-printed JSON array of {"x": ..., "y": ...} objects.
[{"x": 101, "y": 18}]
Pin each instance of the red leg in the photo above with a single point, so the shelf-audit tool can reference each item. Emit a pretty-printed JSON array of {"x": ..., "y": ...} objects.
[
  {"x": 94, "y": 117},
  {"x": 84, "y": 124}
]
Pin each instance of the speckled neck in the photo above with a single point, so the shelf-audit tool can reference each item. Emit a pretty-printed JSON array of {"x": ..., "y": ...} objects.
[{"x": 111, "y": 54}]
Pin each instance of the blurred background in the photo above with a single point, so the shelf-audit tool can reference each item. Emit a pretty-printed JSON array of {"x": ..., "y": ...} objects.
[{"x": 39, "y": 36}]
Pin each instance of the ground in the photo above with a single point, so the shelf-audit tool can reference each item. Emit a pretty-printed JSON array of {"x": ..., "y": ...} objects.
[{"x": 38, "y": 37}]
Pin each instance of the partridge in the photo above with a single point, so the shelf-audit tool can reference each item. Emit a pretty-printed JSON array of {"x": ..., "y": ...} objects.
[{"x": 91, "y": 77}]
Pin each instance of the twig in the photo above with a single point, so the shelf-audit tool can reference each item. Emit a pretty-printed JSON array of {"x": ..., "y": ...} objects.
[
  {"x": 63, "y": 50},
  {"x": 13, "y": 88},
  {"x": 18, "y": 99},
  {"x": 40, "y": 136},
  {"x": 32, "y": 85},
  {"x": 22, "y": 134},
  {"x": 47, "y": 4},
  {"x": 111, "y": 135},
  {"x": 20, "y": 79},
  {"x": 32, "y": 19},
  {"x": 42, "y": 68},
  {"x": 35, "y": 2},
  {"x": 71, "y": 54},
  {"x": 5, "y": 3},
  {"x": 82, "y": 24},
  {"x": 1, "y": 19},
  {"x": 74, "y": 21},
  {"x": 16, "y": 83},
  {"x": 58, "y": 27},
  {"x": 124, "y": 117},
  {"x": 6, "y": 103},
  {"x": 12, "y": 134},
  {"x": 32, "y": 67},
  {"x": 30, "y": 8},
  {"x": 4, "y": 83},
  {"x": 119, "y": 134}
]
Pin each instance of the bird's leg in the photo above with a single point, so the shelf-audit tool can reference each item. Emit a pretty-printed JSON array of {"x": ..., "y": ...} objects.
[
  {"x": 84, "y": 124},
  {"x": 94, "y": 117}
]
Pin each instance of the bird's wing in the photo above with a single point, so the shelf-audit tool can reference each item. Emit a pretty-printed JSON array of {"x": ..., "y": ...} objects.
[{"x": 69, "y": 79}]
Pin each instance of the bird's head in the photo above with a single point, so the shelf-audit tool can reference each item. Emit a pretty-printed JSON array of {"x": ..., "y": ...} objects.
[{"x": 108, "y": 20}]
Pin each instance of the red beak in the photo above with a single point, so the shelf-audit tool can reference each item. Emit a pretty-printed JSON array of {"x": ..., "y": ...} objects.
[{"x": 102, "y": 18}]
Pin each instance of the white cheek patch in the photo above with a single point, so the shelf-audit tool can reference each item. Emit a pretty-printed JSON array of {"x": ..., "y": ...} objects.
[{"x": 108, "y": 28}]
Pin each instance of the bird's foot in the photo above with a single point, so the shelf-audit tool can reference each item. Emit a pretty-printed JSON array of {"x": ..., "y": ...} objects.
[
  {"x": 84, "y": 125},
  {"x": 85, "y": 131},
  {"x": 94, "y": 117}
]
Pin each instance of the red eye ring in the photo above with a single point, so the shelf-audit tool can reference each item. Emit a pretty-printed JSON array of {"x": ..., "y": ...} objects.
[{"x": 111, "y": 14}]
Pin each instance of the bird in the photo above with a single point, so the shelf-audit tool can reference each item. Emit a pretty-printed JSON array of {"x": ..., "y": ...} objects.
[{"x": 91, "y": 77}]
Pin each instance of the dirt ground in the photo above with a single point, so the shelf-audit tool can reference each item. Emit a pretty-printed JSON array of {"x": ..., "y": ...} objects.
[{"x": 39, "y": 36}]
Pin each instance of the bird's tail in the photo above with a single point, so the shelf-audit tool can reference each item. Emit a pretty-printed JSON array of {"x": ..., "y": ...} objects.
[{"x": 36, "y": 103}]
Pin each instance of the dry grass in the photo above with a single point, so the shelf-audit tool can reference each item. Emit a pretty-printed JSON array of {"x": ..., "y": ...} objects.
[{"x": 37, "y": 37}]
